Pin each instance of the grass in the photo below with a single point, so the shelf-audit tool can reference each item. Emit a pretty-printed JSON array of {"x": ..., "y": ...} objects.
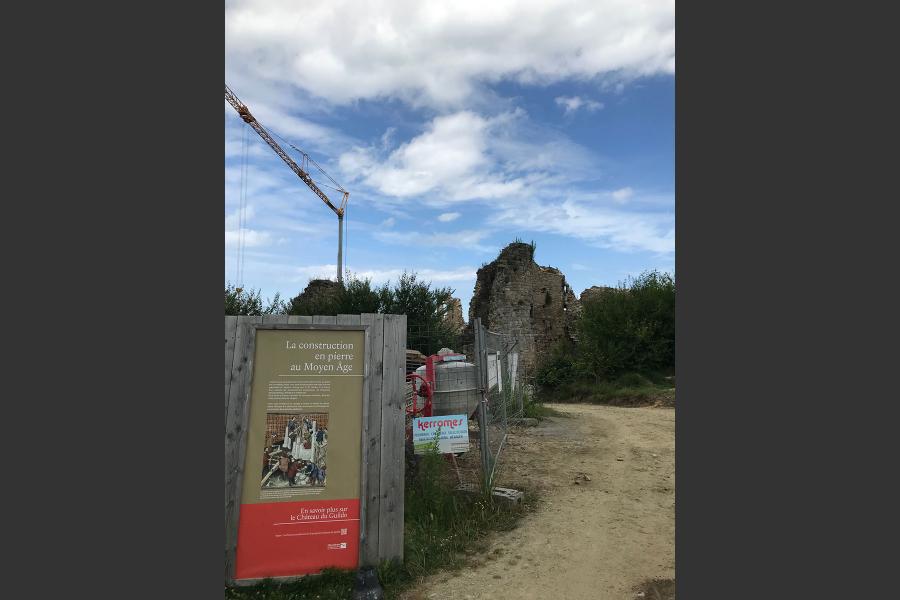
[
  {"x": 332, "y": 584},
  {"x": 658, "y": 589},
  {"x": 536, "y": 410},
  {"x": 631, "y": 389},
  {"x": 444, "y": 530}
]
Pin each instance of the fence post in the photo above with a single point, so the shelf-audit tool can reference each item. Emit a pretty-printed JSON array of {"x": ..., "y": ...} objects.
[{"x": 481, "y": 360}]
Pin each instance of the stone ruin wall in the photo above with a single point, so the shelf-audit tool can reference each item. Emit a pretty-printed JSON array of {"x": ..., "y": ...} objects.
[
  {"x": 534, "y": 304},
  {"x": 454, "y": 316},
  {"x": 595, "y": 292}
]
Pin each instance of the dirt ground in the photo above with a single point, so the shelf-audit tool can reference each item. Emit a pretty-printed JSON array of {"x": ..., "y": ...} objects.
[{"x": 599, "y": 538}]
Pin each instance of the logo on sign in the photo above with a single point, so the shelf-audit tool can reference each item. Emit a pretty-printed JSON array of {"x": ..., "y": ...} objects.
[{"x": 450, "y": 431}]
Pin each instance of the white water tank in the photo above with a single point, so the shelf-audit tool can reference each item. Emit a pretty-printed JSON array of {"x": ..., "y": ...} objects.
[{"x": 456, "y": 388}]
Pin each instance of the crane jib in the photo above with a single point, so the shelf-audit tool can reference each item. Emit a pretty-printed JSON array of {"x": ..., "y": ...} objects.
[{"x": 248, "y": 118}]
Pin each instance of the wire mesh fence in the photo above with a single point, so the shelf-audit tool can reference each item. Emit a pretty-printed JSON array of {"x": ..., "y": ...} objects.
[{"x": 483, "y": 378}]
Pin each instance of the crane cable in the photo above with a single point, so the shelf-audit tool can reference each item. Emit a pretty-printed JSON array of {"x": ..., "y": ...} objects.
[
  {"x": 309, "y": 159},
  {"x": 242, "y": 203},
  {"x": 240, "y": 211},
  {"x": 246, "y": 189},
  {"x": 306, "y": 159},
  {"x": 237, "y": 250},
  {"x": 346, "y": 242}
]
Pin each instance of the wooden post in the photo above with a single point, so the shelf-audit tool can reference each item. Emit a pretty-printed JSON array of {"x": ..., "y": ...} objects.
[
  {"x": 393, "y": 436},
  {"x": 370, "y": 520},
  {"x": 235, "y": 439}
]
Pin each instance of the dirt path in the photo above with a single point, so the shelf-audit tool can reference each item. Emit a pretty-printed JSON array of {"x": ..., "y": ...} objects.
[{"x": 596, "y": 539}]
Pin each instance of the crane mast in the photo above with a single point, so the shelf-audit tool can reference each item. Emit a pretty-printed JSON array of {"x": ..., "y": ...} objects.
[{"x": 248, "y": 118}]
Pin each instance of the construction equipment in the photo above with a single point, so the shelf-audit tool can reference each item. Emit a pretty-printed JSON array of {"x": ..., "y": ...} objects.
[
  {"x": 447, "y": 385},
  {"x": 248, "y": 118}
]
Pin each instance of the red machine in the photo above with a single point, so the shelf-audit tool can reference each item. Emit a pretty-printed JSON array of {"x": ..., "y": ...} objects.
[{"x": 423, "y": 387}]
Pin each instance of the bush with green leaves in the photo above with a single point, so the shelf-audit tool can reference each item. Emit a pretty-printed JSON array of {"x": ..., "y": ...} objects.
[
  {"x": 356, "y": 296},
  {"x": 359, "y": 297},
  {"x": 631, "y": 329},
  {"x": 626, "y": 333},
  {"x": 426, "y": 308},
  {"x": 241, "y": 302},
  {"x": 426, "y": 312},
  {"x": 560, "y": 366}
]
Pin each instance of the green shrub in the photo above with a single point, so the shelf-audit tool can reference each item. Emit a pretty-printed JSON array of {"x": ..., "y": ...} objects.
[
  {"x": 633, "y": 380},
  {"x": 331, "y": 584},
  {"x": 559, "y": 367},
  {"x": 631, "y": 329},
  {"x": 535, "y": 409},
  {"x": 359, "y": 297},
  {"x": 241, "y": 302},
  {"x": 426, "y": 308}
]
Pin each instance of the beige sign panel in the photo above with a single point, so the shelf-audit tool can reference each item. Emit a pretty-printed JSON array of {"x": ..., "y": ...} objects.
[
  {"x": 300, "y": 508},
  {"x": 305, "y": 426}
]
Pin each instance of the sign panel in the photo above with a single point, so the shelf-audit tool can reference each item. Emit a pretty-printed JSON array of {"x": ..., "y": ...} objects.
[
  {"x": 494, "y": 369},
  {"x": 453, "y": 432},
  {"x": 300, "y": 496}
]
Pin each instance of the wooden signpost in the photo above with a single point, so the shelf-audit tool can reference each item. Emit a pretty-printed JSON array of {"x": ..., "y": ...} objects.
[{"x": 344, "y": 507}]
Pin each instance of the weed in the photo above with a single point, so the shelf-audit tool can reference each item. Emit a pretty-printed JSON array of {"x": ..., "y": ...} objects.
[
  {"x": 445, "y": 529},
  {"x": 331, "y": 584},
  {"x": 535, "y": 409}
]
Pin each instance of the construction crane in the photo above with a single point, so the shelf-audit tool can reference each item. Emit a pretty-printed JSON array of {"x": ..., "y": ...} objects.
[{"x": 248, "y": 118}]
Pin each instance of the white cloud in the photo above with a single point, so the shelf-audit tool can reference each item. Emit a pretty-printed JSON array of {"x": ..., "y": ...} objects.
[
  {"x": 466, "y": 156},
  {"x": 252, "y": 238},
  {"x": 573, "y": 103},
  {"x": 285, "y": 128},
  {"x": 622, "y": 195},
  {"x": 447, "y": 217},
  {"x": 437, "y": 276},
  {"x": 387, "y": 139},
  {"x": 233, "y": 220},
  {"x": 279, "y": 200},
  {"x": 259, "y": 180},
  {"x": 379, "y": 276},
  {"x": 389, "y": 222},
  {"x": 314, "y": 272},
  {"x": 306, "y": 228},
  {"x": 440, "y": 53},
  {"x": 469, "y": 239},
  {"x": 609, "y": 228},
  {"x": 238, "y": 231},
  {"x": 580, "y": 267},
  {"x": 452, "y": 147}
]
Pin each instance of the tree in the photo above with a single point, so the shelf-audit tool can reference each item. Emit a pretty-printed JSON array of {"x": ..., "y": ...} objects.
[
  {"x": 326, "y": 297},
  {"x": 239, "y": 301},
  {"x": 359, "y": 297},
  {"x": 426, "y": 309}
]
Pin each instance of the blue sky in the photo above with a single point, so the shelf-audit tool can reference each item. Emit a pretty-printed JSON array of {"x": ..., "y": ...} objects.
[{"x": 456, "y": 127}]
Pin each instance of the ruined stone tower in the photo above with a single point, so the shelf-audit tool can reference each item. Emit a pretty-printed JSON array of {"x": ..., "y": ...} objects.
[
  {"x": 595, "y": 292},
  {"x": 516, "y": 296},
  {"x": 454, "y": 316},
  {"x": 318, "y": 296}
]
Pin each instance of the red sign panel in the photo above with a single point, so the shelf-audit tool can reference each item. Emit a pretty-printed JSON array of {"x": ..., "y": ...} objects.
[{"x": 297, "y": 538}]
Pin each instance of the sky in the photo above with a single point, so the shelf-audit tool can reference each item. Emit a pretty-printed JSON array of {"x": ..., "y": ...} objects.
[{"x": 457, "y": 127}]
